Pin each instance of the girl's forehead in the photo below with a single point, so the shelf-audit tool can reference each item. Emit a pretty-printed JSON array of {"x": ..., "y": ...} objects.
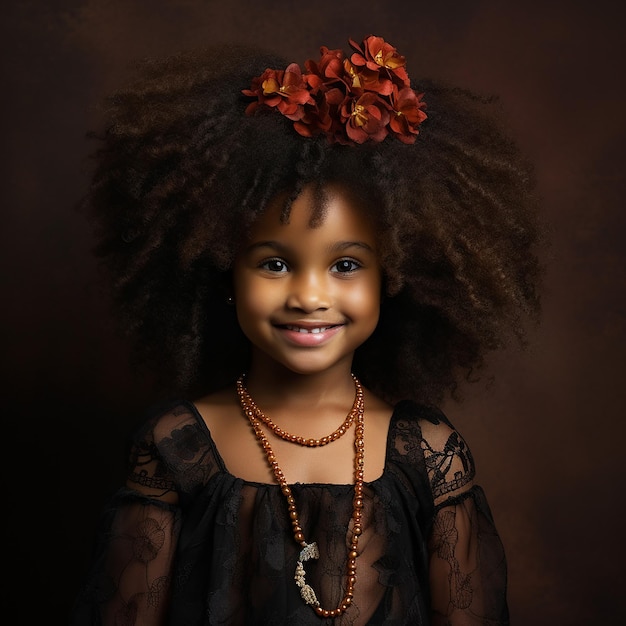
[{"x": 336, "y": 212}]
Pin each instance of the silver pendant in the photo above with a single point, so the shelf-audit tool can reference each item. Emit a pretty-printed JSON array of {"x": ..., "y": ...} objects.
[{"x": 309, "y": 551}]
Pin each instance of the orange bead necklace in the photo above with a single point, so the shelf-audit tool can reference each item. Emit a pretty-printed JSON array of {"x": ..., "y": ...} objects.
[{"x": 310, "y": 550}]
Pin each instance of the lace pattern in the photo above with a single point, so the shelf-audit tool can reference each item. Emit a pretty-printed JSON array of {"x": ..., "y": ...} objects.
[{"x": 186, "y": 543}]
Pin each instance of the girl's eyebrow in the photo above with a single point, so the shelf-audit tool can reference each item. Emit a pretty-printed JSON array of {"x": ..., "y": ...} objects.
[
  {"x": 344, "y": 245},
  {"x": 339, "y": 246}
]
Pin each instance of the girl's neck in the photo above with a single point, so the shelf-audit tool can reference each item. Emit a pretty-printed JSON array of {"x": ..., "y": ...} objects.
[{"x": 279, "y": 387}]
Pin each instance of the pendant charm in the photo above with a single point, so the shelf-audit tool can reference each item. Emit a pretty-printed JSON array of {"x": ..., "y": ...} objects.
[{"x": 310, "y": 551}]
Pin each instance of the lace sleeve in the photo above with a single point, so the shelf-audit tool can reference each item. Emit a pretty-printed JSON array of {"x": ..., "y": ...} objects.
[
  {"x": 131, "y": 569},
  {"x": 468, "y": 573}
]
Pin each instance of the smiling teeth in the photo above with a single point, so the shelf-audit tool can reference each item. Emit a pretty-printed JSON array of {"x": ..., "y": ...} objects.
[{"x": 299, "y": 329}]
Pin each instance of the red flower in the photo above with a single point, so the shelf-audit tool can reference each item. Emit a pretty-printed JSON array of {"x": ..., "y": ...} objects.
[
  {"x": 285, "y": 90},
  {"x": 366, "y": 97},
  {"x": 366, "y": 118},
  {"x": 407, "y": 114},
  {"x": 329, "y": 67},
  {"x": 376, "y": 54},
  {"x": 363, "y": 78},
  {"x": 316, "y": 118}
]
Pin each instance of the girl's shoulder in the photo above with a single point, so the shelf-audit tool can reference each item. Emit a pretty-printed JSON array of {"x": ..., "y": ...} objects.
[
  {"x": 167, "y": 420},
  {"x": 172, "y": 451},
  {"x": 422, "y": 421},
  {"x": 424, "y": 436},
  {"x": 173, "y": 435},
  {"x": 171, "y": 417},
  {"x": 433, "y": 424}
]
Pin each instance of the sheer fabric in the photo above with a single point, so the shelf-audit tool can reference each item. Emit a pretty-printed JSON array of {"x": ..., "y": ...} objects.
[{"x": 186, "y": 543}]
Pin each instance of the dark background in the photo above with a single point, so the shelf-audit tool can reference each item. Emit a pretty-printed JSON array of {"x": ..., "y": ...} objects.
[{"x": 547, "y": 432}]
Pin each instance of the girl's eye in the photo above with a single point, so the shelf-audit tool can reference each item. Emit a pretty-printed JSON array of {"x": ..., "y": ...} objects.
[
  {"x": 274, "y": 265},
  {"x": 346, "y": 265}
]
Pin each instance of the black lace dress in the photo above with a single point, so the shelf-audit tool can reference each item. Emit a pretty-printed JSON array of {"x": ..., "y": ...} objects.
[{"x": 189, "y": 544}]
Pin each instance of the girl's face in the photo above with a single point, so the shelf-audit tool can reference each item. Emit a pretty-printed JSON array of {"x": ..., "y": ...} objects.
[{"x": 308, "y": 297}]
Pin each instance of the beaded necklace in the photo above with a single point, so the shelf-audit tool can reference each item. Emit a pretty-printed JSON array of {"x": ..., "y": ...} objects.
[{"x": 310, "y": 550}]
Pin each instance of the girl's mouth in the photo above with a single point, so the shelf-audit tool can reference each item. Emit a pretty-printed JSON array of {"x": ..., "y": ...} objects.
[
  {"x": 315, "y": 330},
  {"x": 308, "y": 336}
]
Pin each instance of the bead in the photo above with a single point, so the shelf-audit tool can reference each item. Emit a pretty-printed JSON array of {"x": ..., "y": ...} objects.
[
  {"x": 254, "y": 413},
  {"x": 356, "y": 414}
]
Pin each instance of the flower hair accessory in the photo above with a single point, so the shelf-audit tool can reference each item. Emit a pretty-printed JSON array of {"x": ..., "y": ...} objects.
[{"x": 365, "y": 97}]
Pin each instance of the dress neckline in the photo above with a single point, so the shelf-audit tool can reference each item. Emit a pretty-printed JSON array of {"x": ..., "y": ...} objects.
[{"x": 260, "y": 484}]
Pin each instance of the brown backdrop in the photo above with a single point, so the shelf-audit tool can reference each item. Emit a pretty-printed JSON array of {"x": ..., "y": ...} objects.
[{"x": 548, "y": 433}]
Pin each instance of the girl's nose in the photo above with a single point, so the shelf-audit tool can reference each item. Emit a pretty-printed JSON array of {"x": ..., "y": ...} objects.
[{"x": 309, "y": 292}]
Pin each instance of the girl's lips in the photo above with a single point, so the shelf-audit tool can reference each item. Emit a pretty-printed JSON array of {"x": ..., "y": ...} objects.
[{"x": 308, "y": 335}]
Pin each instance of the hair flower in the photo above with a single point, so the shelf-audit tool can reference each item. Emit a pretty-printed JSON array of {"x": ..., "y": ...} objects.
[
  {"x": 376, "y": 54},
  {"x": 365, "y": 97},
  {"x": 407, "y": 113},
  {"x": 329, "y": 67},
  {"x": 286, "y": 90},
  {"x": 366, "y": 118}
]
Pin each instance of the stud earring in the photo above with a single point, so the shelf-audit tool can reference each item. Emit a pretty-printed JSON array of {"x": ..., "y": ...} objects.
[{"x": 230, "y": 300}]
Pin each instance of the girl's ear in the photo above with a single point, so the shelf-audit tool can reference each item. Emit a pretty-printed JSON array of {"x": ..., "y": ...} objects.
[{"x": 226, "y": 290}]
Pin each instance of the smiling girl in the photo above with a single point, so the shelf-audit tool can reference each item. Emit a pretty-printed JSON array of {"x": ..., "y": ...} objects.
[{"x": 311, "y": 261}]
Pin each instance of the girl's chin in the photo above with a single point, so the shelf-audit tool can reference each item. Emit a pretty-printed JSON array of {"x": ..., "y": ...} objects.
[{"x": 303, "y": 364}]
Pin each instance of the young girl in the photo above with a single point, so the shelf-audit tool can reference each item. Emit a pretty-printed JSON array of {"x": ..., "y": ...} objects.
[{"x": 312, "y": 259}]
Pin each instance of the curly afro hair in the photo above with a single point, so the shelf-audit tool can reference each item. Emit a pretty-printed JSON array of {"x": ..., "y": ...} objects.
[{"x": 181, "y": 173}]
